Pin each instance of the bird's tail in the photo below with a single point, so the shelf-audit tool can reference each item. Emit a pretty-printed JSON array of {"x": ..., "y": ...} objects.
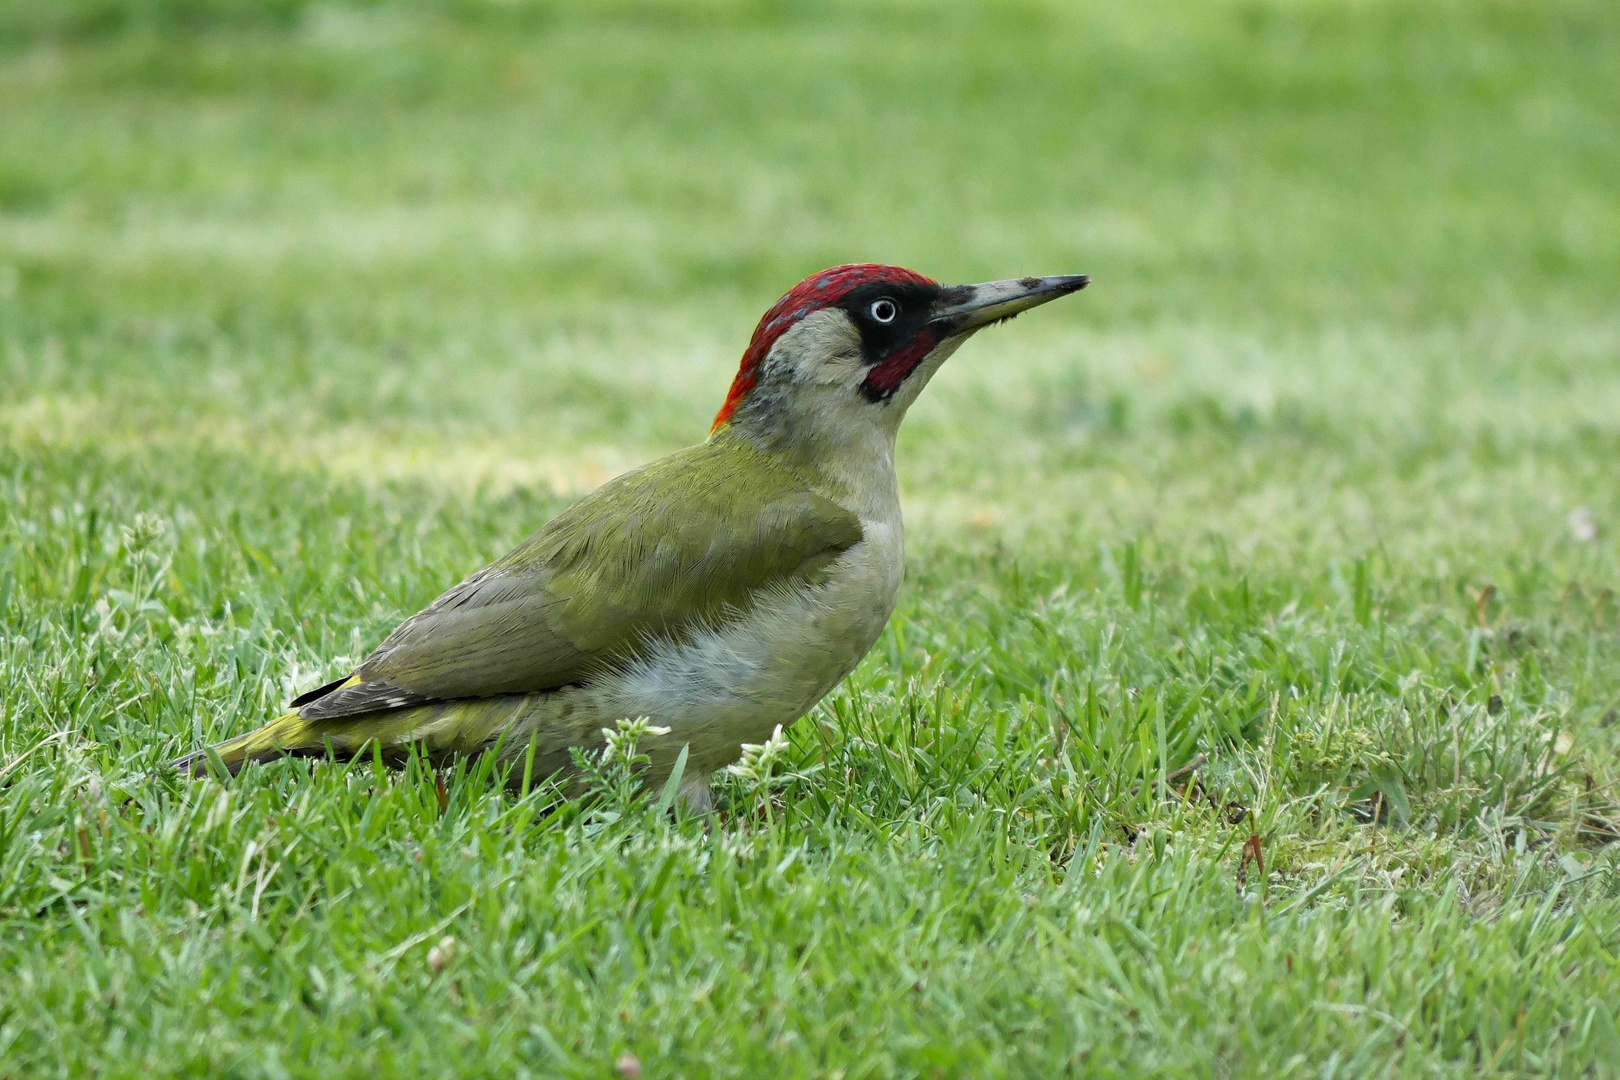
[
  {"x": 289, "y": 734},
  {"x": 447, "y": 727}
]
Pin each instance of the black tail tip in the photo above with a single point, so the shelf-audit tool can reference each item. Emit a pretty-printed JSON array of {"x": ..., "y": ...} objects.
[{"x": 202, "y": 763}]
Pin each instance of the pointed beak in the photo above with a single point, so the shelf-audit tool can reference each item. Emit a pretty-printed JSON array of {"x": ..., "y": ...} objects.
[{"x": 963, "y": 309}]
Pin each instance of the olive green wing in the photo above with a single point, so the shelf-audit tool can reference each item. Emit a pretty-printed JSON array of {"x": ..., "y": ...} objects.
[{"x": 657, "y": 553}]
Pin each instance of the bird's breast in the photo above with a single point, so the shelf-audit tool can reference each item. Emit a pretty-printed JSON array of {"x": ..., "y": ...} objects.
[{"x": 771, "y": 663}]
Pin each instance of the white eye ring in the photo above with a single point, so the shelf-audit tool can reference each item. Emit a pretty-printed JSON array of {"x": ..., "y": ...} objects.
[{"x": 884, "y": 310}]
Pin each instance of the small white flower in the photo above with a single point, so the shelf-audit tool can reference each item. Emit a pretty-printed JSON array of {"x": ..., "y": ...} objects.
[
  {"x": 621, "y": 742},
  {"x": 758, "y": 759}
]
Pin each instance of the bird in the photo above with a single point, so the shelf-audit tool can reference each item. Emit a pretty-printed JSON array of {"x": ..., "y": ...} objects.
[{"x": 718, "y": 593}]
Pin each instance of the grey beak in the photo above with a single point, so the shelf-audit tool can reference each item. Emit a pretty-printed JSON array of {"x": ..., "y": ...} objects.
[{"x": 965, "y": 308}]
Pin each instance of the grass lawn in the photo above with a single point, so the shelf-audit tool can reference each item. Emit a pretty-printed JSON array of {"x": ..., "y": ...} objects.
[{"x": 1298, "y": 534}]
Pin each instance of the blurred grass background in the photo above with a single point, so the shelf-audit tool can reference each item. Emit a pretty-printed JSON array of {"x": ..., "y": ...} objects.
[{"x": 307, "y": 309}]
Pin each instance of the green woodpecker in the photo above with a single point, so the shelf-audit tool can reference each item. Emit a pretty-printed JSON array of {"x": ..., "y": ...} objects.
[{"x": 719, "y": 592}]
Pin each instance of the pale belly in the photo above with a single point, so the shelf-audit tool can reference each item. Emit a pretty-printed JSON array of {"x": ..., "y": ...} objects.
[{"x": 733, "y": 685}]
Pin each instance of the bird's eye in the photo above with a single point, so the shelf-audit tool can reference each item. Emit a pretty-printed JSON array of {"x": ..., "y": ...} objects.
[{"x": 884, "y": 310}]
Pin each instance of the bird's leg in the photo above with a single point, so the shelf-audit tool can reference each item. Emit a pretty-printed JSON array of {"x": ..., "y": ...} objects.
[{"x": 694, "y": 794}]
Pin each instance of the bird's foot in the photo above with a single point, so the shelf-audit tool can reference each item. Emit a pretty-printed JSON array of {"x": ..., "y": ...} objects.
[{"x": 694, "y": 794}]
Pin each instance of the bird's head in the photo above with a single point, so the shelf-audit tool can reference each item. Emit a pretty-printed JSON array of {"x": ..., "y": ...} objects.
[{"x": 851, "y": 347}]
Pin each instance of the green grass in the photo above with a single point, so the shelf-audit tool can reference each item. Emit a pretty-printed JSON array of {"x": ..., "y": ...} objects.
[{"x": 306, "y": 310}]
